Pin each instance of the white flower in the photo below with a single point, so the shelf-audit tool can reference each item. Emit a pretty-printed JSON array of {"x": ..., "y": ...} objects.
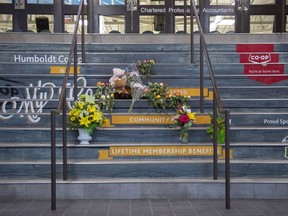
[{"x": 186, "y": 110}]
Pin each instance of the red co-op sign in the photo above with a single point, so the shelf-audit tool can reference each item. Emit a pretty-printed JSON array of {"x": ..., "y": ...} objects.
[{"x": 261, "y": 63}]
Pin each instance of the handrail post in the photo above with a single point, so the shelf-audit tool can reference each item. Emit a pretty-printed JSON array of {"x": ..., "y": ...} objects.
[
  {"x": 227, "y": 158},
  {"x": 215, "y": 138},
  {"x": 83, "y": 36},
  {"x": 185, "y": 16},
  {"x": 201, "y": 64},
  {"x": 53, "y": 161},
  {"x": 75, "y": 71},
  {"x": 64, "y": 137},
  {"x": 191, "y": 33}
]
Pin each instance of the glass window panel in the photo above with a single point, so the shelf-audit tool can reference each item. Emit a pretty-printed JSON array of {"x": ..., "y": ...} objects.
[
  {"x": 111, "y": 2},
  {"x": 6, "y": 22},
  {"x": 40, "y": 1},
  {"x": 5, "y": 1},
  {"x": 222, "y": 24},
  {"x": 262, "y": 2},
  {"x": 70, "y": 24},
  {"x": 181, "y": 2},
  {"x": 74, "y": 2},
  {"x": 261, "y": 24},
  {"x": 111, "y": 24},
  {"x": 43, "y": 26},
  {"x": 152, "y": 2},
  {"x": 286, "y": 23},
  {"x": 221, "y": 2},
  {"x": 146, "y": 24},
  {"x": 179, "y": 24}
]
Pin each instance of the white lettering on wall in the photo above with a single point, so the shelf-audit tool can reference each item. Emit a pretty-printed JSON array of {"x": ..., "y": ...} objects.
[
  {"x": 188, "y": 10},
  {"x": 37, "y": 97},
  {"x": 42, "y": 59}
]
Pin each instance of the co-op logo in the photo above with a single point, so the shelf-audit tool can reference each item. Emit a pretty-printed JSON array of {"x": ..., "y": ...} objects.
[{"x": 259, "y": 58}]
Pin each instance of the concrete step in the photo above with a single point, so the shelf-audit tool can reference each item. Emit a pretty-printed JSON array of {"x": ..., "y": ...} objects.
[
  {"x": 239, "y": 151},
  {"x": 130, "y": 47},
  {"x": 145, "y": 134},
  {"x": 145, "y": 169},
  {"x": 141, "y": 188}
]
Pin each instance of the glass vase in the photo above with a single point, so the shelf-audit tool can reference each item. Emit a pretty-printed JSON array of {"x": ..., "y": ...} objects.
[{"x": 184, "y": 135}]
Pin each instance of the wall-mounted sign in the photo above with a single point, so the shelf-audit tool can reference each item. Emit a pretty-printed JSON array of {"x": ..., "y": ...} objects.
[
  {"x": 262, "y": 67},
  {"x": 189, "y": 91},
  {"x": 160, "y": 151},
  {"x": 131, "y": 5},
  {"x": 181, "y": 10},
  {"x": 151, "y": 119},
  {"x": 62, "y": 70}
]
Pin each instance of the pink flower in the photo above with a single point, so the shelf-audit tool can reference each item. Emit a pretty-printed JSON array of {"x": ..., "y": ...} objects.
[{"x": 184, "y": 118}]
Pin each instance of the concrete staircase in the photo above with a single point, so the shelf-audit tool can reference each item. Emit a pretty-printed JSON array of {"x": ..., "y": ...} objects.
[{"x": 258, "y": 120}]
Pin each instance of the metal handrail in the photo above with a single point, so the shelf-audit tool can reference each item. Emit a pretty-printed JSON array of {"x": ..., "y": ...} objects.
[
  {"x": 62, "y": 105},
  {"x": 216, "y": 102}
]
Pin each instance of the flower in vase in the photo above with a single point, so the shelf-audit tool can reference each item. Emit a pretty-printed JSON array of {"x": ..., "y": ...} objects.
[{"x": 184, "y": 119}]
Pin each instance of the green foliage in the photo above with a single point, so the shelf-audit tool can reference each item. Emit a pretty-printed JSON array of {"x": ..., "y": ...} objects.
[
  {"x": 145, "y": 67},
  {"x": 177, "y": 100},
  {"x": 156, "y": 94},
  {"x": 104, "y": 95},
  {"x": 221, "y": 128}
]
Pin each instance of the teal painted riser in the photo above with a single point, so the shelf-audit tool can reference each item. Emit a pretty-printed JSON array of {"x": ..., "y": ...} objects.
[
  {"x": 270, "y": 151},
  {"x": 195, "y": 170},
  {"x": 142, "y": 135}
]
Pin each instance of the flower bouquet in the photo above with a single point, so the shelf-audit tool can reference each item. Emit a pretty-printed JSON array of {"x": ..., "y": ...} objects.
[
  {"x": 135, "y": 83},
  {"x": 145, "y": 67},
  {"x": 176, "y": 99},
  {"x": 85, "y": 114},
  {"x": 104, "y": 95},
  {"x": 156, "y": 94},
  {"x": 184, "y": 119}
]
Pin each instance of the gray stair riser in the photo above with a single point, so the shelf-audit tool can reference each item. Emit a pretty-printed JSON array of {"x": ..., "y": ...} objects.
[
  {"x": 91, "y": 152},
  {"x": 125, "y": 57},
  {"x": 260, "y": 120},
  {"x": 142, "y": 135},
  {"x": 279, "y": 47},
  {"x": 272, "y": 120},
  {"x": 105, "y": 69},
  {"x": 146, "y": 190},
  {"x": 199, "y": 170}
]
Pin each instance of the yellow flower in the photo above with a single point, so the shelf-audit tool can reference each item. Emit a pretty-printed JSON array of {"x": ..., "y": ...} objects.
[
  {"x": 158, "y": 96},
  {"x": 85, "y": 121},
  {"x": 91, "y": 109},
  {"x": 72, "y": 118},
  {"x": 97, "y": 116},
  {"x": 191, "y": 115},
  {"x": 74, "y": 113},
  {"x": 80, "y": 105}
]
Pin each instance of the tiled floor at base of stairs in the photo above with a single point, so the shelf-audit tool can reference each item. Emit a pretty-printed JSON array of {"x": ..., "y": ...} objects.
[{"x": 145, "y": 207}]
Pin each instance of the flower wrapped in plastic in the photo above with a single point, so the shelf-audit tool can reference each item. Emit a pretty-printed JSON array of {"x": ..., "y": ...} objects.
[
  {"x": 184, "y": 119},
  {"x": 135, "y": 83},
  {"x": 132, "y": 75},
  {"x": 137, "y": 91}
]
